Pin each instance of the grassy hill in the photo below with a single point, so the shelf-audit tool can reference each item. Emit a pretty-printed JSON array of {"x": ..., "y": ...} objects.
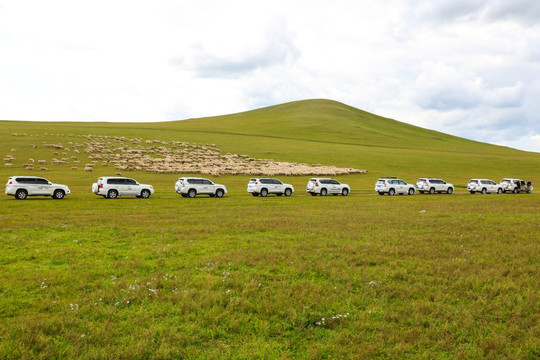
[
  {"x": 363, "y": 277},
  {"x": 314, "y": 131}
]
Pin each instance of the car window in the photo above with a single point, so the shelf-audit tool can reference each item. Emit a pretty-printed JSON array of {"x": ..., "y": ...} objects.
[
  {"x": 251, "y": 181},
  {"x": 116, "y": 181},
  {"x": 41, "y": 181},
  {"x": 313, "y": 180},
  {"x": 326, "y": 181},
  {"x": 380, "y": 181},
  {"x": 207, "y": 182},
  {"x": 266, "y": 181},
  {"x": 131, "y": 182},
  {"x": 335, "y": 182},
  {"x": 401, "y": 182},
  {"x": 26, "y": 180},
  {"x": 277, "y": 182}
]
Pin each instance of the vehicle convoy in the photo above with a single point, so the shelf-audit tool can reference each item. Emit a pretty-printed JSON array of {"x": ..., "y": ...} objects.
[
  {"x": 265, "y": 186},
  {"x": 23, "y": 186},
  {"x": 484, "y": 186},
  {"x": 516, "y": 186},
  {"x": 432, "y": 185},
  {"x": 113, "y": 186},
  {"x": 193, "y": 186},
  {"x": 392, "y": 186},
  {"x": 324, "y": 186}
]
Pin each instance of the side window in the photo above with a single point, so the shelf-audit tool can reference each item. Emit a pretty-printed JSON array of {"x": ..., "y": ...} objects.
[
  {"x": 41, "y": 181},
  {"x": 401, "y": 182},
  {"x": 266, "y": 181},
  {"x": 131, "y": 182},
  {"x": 207, "y": 182},
  {"x": 326, "y": 181},
  {"x": 25, "y": 180}
]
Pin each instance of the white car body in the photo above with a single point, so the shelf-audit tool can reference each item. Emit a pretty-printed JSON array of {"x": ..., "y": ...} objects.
[
  {"x": 432, "y": 185},
  {"x": 265, "y": 186},
  {"x": 484, "y": 186},
  {"x": 113, "y": 186},
  {"x": 393, "y": 186},
  {"x": 323, "y": 186},
  {"x": 516, "y": 185},
  {"x": 23, "y": 186},
  {"x": 193, "y": 186}
]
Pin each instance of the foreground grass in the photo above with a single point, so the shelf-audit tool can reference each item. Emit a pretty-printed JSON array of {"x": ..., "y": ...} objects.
[{"x": 244, "y": 277}]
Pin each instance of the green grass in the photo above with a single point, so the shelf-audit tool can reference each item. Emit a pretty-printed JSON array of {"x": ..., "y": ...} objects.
[{"x": 245, "y": 277}]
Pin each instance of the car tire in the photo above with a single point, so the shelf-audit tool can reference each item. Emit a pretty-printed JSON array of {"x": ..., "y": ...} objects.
[
  {"x": 112, "y": 194},
  {"x": 145, "y": 194},
  {"x": 192, "y": 193},
  {"x": 411, "y": 191},
  {"x": 472, "y": 192},
  {"x": 21, "y": 194},
  {"x": 432, "y": 191},
  {"x": 220, "y": 193},
  {"x": 421, "y": 191},
  {"x": 391, "y": 192},
  {"x": 381, "y": 193},
  {"x": 345, "y": 192},
  {"x": 288, "y": 192},
  {"x": 313, "y": 194},
  {"x": 515, "y": 191},
  {"x": 449, "y": 191},
  {"x": 484, "y": 191},
  {"x": 324, "y": 192},
  {"x": 255, "y": 194},
  {"x": 58, "y": 194},
  {"x": 264, "y": 192},
  {"x": 183, "y": 195},
  {"x": 499, "y": 191}
]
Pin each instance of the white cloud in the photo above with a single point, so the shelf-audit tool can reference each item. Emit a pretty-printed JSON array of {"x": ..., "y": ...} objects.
[{"x": 467, "y": 67}]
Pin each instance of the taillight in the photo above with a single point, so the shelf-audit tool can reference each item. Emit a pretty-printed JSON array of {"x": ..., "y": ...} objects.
[
  {"x": 256, "y": 182},
  {"x": 427, "y": 183},
  {"x": 100, "y": 186},
  {"x": 11, "y": 183},
  {"x": 183, "y": 184},
  {"x": 316, "y": 184}
]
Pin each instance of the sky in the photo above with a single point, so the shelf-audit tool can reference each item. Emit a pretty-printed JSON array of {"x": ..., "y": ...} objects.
[{"x": 464, "y": 67}]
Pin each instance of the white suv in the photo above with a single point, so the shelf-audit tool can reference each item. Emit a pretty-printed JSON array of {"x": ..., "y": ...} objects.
[
  {"x": 485, "y": 186},
  {"x": 193, "y": 186},
  {"x": 432, "y": 185},
  {"x": 265, "y": 186},
  {"x": 23, "y": 186},
  {"x": 327, "y": 186},
  {"x": 112, "y": 187},
  {"x": 392, "y": 185},
  {"x": 516, "y": 186}
]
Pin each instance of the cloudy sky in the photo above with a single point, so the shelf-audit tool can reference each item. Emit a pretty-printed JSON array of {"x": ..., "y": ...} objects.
[{"x": 465, "y": 67}]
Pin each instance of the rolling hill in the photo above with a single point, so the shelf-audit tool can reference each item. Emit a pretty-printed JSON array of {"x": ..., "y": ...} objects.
[{"x": 315, "y": 131}]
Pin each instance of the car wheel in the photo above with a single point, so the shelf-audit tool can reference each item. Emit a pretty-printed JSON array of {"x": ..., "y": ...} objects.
[
  {"x": 484, "y": 191},
  {"x": 112, "y": 194},
  {"x": 192, "y": 193},
  {"x": 264, "y": 192},
  {"x": 381, "y": 193},
  {"x": 421, "y": 191},
  {"x": 345, "y": 192},
  {"x": 183, "y": 195},
  {"x": 324, "y": 192},
  {"x": 472, "y": 192},
  {"x": 255, "y": 194},
  {"x": 432, "y": 191},
  {"x": 313, "y": 194},
  {"x": 515, "y": 191},
  {"x": 21, "y": 195},
  {"x": 391, "y": 192},
  {"x": 58, "y": 194},
  {"x": 449, "y": 191},
  {"x": 145, "y": 194},
  {"x": 499, "y": 191},
  {"x": 288, "y": 192},
  {"x": 220, "y": 193},
  {"x": 411, "y": 191}
]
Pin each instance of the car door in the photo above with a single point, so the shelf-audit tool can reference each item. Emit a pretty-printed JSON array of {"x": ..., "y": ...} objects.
[
  {"x": 42, "y": 187},
  {"x": 402, "y": 187},
  {"x": 207, "y": 187},
  {"x": 334, "y": 186},
  {"x": 132, "y": 187},
  {"x": 277, "y": 186}
]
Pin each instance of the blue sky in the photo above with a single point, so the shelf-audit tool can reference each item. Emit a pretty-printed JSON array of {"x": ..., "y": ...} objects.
[{"x": 465, "y": 67}]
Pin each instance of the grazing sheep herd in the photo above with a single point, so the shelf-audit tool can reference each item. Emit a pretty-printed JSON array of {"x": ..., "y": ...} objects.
[{"x": 169, "y": 157}]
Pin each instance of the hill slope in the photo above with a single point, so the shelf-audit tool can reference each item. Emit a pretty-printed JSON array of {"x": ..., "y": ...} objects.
[{"x": 318, "y": 131}]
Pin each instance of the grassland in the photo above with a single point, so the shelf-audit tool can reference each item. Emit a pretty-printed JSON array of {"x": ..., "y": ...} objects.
[{"x": 241, "y": 277}]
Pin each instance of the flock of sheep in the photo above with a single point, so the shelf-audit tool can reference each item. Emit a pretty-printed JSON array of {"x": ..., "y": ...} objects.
[{"x": 127, "y": 154}]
